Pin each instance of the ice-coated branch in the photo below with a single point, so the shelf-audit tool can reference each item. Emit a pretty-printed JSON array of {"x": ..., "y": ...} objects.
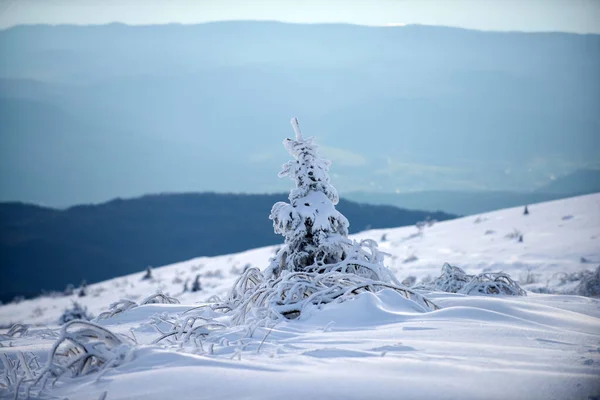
[{"x": 296, "y": 127}]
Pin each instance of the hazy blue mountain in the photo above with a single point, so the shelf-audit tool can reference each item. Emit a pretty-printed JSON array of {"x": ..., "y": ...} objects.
[
  {"x": 582, "y": 181},
  {"x": 455, "y": 202},
  {"x": 92, "y": 113},
  {"x": 43, "y": 248}
]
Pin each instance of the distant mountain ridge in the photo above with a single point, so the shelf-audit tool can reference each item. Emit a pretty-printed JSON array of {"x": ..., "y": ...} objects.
[
  {"x": 126, "y": 110},
  {"x": 578, "y": 183},
  {"x": 582, "y": 181},
  {"x": 42, "y": 248}
]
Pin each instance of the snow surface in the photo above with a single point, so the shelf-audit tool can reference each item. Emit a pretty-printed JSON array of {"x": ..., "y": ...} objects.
[{"x": 542, "y": 346}]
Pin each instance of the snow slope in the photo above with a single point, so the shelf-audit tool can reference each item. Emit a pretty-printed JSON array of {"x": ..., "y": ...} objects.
[{"x": 540, "y": 346}]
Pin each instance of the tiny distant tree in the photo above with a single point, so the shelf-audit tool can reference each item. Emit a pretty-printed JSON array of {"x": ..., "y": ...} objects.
[
  {"x": 77, "y": 311},
  {"x": 69, "y": 290},
  {"x": 196, "y": 286},
  {"x": 313, "y": 229},
  {"x": 526, "y": 211},
  {"x": 148, "y": 274},
  {"x": 83, "y": 289}
]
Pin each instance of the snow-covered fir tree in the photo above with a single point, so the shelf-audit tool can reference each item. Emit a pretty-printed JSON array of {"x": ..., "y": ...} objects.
[{"x": 315, "y": 232}]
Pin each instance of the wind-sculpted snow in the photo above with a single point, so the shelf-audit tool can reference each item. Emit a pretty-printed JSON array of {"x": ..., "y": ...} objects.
[{"x": 375, "y": 344}]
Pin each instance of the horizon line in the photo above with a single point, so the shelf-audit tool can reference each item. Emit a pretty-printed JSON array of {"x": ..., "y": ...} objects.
[{"x": 389, "y": 25}]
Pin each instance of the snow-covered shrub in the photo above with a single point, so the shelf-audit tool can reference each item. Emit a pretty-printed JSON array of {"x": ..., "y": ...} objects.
[
  {"x": 83, "y": 289},
  {"x": 148, "y": 274},
  {"x": 455, "y": 280},
  {"x": 529, "y": 278},
  {"x": 82, "y": 348},
  {"x": 17, "y": 373},
  {"x": 159, "y": 298},
  {"x": 117, "y": 308},
  {"x": 196, "y": 286},
  {"x": 188, "y": 328},
  {"x": 589, "y": 284},
  {"x": 452, "y": 280},
  {"x": 16, "y": 329},
  {"x": 76, "y": 311},
  {"x": 409, "y": 259},
  {"x": 126, "y": 304},
  {"x": 255, "y": 298},
  {"x": 493, "y": 284},
  {"x": 409, "y": 281},
  {"x": 515, "y": 234},
  {"x": 69, "y": 290}
]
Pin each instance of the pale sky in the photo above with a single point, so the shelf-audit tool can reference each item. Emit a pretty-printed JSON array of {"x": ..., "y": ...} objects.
[{"x": 580, "y": 16}]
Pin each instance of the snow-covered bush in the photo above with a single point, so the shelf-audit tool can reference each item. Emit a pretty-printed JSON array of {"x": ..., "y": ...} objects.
[
  {"x": 148, "y": 274},
  {"x": 589, "y": 284},
  {"x": 455, "y": 280},
  {"x": 17, "y": 373},
  {"x": 126, "y": 304},
  {"x": 529, "y": 278},
  {"x": 409, "y": 259},
  {"x": 409, "y": 281},
  {"x": 83, "y": 348},
  {"x": 83, "y": 289},
  {"x": 159, "y": 298},
  {"x": 117, "y": 308},
  {"x": 76, "y": 311},
  {"x": 16, "y": 329},
  {"x": 493, "y": 284},
  {"x": 256, "y": 298},
  {"x": 196, "y": 285},
  {"x": 452, "y": 280},
  {"x": 69, "y": 290},
  {"x": 515, "y": 234}
]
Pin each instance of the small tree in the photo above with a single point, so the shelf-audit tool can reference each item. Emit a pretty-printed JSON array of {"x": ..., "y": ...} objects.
[
  {"x": 313, "y": 229},
  {"x": 196, "y": 286},
  {"x": 526, "y": 211},
  {"x": 83, "y": 289},
  {"x": 148, "y": 274},
  {"x": 77, "y": 311},
  {"x": 69, "y": 290},
  {"x": 318, "y": 263}
]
